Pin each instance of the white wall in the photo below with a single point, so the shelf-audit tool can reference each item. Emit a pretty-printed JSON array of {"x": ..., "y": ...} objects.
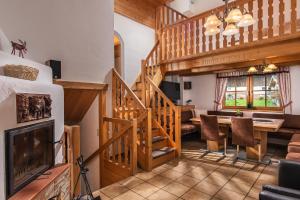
[
  {"x": 203, "y": 90},
  {"x": 8, "y": 119},
  {"x": 138, "y": 41},
  {"x": 77, "y": 32},
  {"x": 202, "y": 93},
  {"x": 295, "y": 74}
]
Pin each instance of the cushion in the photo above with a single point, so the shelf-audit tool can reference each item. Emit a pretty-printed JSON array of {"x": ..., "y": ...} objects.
[
  {"x": 187, "y": 115},
  {"x": 294, "y": 147},
  {"x": 293, "y": 156},
  {"x": 295, "y": 138},
  {"x": 288, "y": 130},
  {"x": 188, "y": 128},
  {"x": 268, "y": 115},
  {"x": 291, "y": 121}
]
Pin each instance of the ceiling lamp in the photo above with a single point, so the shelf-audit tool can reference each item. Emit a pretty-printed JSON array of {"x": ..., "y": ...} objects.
[
  {"x": 267, "y": 70},
  {"x": 234, "y": 18},
  {"x": 212, "y": 31},
  {"x": 272, "y": 67},
  {"x": 247, "y": 20},
  {"x": 212, "y": 21},
  {"x": 231, "y": 29},
  {"x": 252, "y": 70}
]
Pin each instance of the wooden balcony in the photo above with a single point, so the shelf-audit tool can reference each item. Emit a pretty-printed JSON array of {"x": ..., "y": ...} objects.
[{"x": 275, "y": 37}]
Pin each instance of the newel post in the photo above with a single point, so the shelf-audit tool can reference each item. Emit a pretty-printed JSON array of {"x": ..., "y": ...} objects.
[
  {"x": 143, "y": 76},
  {"x": 178, "y": 130},
  {"x": 149, "y": 139},
  {"x": 134, "y": 147}
]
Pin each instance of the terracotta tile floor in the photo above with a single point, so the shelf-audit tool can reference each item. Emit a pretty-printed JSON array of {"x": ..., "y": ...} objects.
[{"x": 195, "y": 178}]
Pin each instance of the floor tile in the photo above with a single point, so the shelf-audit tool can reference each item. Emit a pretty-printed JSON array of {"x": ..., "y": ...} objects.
[
  {"x": 129, "y": 195},
  {"x": 131, "y": 182},
  {"x": 162, "y": 195},
  {"x": 160, "y": 169},
  {"x": 198, "y": 173},
  {"x": 207, "y": 188},
  {"x": 195, "y": 195},
  {"x": 145, "y": 175},
  {"x": 114, "y": 190},
  {"x": 238, "y": 187},
  {"x": 176, "y": 189},
  {"x": 254, "y": 193},
  {"x": 187, "y": 180},
  {"x": 145, "y": 189},
  {"x": 224, "y": 194},
  {"x": 217, "y": 179},
  {"x": 172, "y": 174},
  {"x": 159, "y": 181},
  {"x": 103, "y": 196}
]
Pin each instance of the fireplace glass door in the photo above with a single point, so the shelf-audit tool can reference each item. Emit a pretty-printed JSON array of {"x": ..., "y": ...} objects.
[{"x": 29, "y": 153}]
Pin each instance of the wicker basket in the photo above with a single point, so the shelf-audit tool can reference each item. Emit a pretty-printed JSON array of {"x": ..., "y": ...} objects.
[{"x": 21, "y": 72}]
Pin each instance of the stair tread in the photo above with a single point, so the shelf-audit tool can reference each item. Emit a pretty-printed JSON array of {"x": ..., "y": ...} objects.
[
  {"x": 156, "y": 139},
  {"x": 161, "y": 152}
]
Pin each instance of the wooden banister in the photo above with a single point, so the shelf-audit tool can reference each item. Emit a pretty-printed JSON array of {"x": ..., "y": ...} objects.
[
  {"x": 166, "y": 16},
  {"x": 165, "y": 114},
  {"x": 127, "y": 106},
  {"x": 191, "y": 40}
]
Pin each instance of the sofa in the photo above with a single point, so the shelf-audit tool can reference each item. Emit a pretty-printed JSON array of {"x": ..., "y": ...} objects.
[
  {"x": 187, "y": 126},
  {"x": 290, "y": 127},
  {"x": 294, "y": 148},
  {"x": 288, "y": 183}
]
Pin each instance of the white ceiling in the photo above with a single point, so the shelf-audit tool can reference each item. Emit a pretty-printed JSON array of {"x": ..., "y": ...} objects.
[{"x": 194, "y": 7}]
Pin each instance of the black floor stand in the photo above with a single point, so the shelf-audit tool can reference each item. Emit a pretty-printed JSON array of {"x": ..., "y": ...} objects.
[{"x": 83, "y": 172}]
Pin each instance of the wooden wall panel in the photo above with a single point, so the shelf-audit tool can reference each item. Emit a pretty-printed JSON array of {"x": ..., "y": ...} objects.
[{"x": 142, "y": 11}]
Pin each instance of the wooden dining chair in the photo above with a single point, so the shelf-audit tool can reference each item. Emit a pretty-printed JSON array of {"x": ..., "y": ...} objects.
[
  {"x": 211, "y": 132},
  {"x": 243, "y": 134}
]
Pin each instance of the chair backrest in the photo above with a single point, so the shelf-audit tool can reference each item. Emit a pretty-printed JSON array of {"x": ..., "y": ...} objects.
[
  {"x": 242, "y": 131},
  {"x": 210, "y": 127}
]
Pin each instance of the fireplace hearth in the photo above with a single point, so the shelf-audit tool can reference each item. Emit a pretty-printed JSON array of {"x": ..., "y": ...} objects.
[{"x": 29, "y": 153}]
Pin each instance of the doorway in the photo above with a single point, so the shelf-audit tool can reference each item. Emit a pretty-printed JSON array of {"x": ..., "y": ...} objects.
[{"x": 118, "y": 55}]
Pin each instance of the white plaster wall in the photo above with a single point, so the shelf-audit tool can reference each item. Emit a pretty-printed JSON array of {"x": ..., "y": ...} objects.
[
  {"x": 202, "y": 93},
  {"x": 295, "y": 74},
  {"x": 8, "y": 119},
  {"x": 138, "y": 41},
  {"x": 77, "y": 32}
]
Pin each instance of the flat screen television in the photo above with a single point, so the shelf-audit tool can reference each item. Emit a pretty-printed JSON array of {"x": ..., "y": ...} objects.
[{"x": 171, "y": 90}]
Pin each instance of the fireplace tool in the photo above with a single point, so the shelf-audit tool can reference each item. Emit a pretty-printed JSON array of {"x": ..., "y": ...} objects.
[{"x": 83, "y": 172}]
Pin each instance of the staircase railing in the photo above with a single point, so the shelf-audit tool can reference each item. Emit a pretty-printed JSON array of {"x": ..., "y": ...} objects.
[
  {"x": 126, "y": 105},
  {"x": 186, "y": 38},
  {"x": 118, "y": 153},
  {"x": 166, "y": 16},
  {"x": 165, "y": 114}
]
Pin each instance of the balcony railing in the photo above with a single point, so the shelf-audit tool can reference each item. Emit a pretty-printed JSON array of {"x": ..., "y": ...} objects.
[{"x": 186, "y": 38}]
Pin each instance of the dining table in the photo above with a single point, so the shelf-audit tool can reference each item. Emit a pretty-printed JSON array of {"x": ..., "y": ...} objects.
[{"x": 262, "y": 126}]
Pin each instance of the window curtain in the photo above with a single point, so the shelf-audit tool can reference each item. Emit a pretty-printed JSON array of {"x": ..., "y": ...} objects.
[
  {"x": 284, "y": 79},
  {"x": 220, "y": 90}
]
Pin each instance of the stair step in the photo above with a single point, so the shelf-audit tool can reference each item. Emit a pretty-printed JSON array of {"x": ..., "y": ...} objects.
[
  {"x": 156, "y": 139},
  {"x": 161, "y": 152}
]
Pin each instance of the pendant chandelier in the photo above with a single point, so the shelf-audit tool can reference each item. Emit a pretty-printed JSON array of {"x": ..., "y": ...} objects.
[
  {"x": 234, "y": 18},
  {"x": 266, "y": 68}
]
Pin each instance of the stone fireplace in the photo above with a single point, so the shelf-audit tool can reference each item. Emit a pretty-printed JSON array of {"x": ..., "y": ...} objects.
[{"x": 29, "y": 153}]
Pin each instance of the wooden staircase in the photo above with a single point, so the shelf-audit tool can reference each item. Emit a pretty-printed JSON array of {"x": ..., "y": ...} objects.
[{"x": 153, "y": 145}]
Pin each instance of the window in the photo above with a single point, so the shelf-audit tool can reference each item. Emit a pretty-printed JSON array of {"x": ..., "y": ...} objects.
[
  {"x": 257, "y": 92},
  {"x": 236, "y": 92}
]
